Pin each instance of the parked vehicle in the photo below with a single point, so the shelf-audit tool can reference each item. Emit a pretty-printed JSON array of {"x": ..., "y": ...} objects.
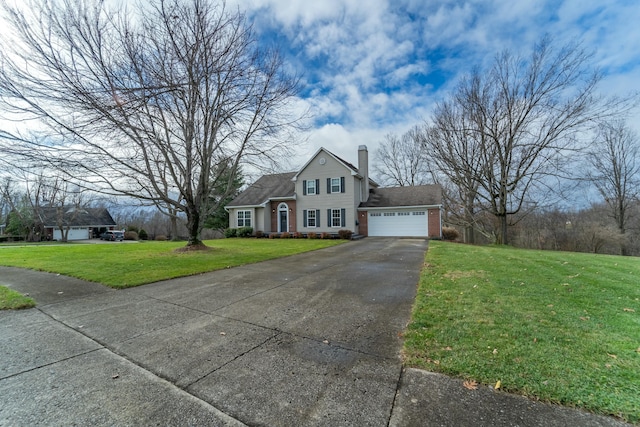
[{"x": 113, "y": 236}]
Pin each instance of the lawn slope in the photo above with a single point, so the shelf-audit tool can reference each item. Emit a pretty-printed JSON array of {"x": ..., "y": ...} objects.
[
  {"x": 561, "y": 327},
  {"x": 122, "y": 265}
]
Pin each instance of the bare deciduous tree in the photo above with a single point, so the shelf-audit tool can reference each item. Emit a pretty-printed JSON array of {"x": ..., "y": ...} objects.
[
  {"x": 455, "y": 149},
  {"x": 615, "y": 169},
  {"x": 520, "y": 119},
  {"x": 142, "y": 101},
  {"x": 401, "y": 160}
]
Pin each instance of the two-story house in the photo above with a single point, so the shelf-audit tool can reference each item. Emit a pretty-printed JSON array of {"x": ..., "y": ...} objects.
[{"x": 329, "y": 194}]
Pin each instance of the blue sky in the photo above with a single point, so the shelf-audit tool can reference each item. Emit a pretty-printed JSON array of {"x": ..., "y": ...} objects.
[{"x": 378, "y": 66}]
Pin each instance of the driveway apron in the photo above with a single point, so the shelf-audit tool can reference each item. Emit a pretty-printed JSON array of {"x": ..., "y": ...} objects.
[{"x": 311, "y": 339}]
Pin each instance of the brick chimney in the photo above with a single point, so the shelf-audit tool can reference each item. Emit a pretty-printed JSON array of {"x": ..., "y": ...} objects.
[{"x": 363, "y": 170}]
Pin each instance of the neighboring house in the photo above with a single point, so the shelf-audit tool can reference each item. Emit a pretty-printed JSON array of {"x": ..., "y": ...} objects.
[
  {"x": 329, "y": 194},
  {"x": 81, "y": 223}
]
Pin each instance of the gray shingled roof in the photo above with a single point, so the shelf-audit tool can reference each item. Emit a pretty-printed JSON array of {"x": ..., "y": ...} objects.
[
  {"x": 418, "y": 195},
  {"x": 77, "y": 217},
  {"x": 267, "y": 187}
]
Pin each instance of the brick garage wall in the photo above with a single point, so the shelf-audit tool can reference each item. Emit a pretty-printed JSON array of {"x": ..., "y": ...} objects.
[
  {"x": 363, "y": 223},
  {"x": 434, "y": 223}
]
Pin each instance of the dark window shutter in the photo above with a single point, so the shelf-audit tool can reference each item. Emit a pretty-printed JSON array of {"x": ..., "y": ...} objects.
[
  {"x": 318, "y": 223},
  {"x": 317, "y": 187},
  {"x": 304, "y": 214},
  {"x": 304, "y": 188},
  {"x": 329, "y": 217},
  {"x": 328, "y": 185},
  {"x": 342, "y": 184},
  {"x": 342, "y": 217}
]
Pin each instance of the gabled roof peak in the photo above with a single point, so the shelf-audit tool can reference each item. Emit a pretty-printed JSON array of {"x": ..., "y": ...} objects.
[{"x": 347, "y": 165}]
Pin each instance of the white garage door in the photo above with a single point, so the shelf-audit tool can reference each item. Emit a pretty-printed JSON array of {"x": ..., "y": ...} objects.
[
  {"x": 74, "y": 234},
  {"x": 400, "y": 223}
]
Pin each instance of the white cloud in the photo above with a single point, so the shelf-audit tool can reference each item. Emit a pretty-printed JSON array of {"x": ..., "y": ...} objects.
[{"x": 378, "y": 67}]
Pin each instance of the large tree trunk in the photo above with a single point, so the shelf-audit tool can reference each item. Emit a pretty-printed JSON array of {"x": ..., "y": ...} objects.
[
  {"x": 502, "y": 234},
  {"x": 194, "y": 227}
]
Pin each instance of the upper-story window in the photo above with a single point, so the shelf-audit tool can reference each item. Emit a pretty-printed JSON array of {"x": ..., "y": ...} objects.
[
  {"x": 335, "y": 185},
  {"x": 310, "y": 187}
]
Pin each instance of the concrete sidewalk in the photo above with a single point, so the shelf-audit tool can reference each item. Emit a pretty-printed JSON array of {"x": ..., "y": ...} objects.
[{"x": 312, "y": 339}]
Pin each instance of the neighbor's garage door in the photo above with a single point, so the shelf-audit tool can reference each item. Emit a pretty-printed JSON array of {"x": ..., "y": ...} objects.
[
  {"x": 398, "y": 223},
  {"x": 74, "y": 234}
]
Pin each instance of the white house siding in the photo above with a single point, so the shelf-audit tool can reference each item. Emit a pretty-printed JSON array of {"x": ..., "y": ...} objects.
[
  {"x": 323, "y": 201},
  {"x": 256, "y": 220},
  {"x": 260, "y": 222}
]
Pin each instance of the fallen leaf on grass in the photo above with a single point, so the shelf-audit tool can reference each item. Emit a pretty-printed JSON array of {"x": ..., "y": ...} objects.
[
  {"x": 495, "y": 351},
  {"x": 584, "y": 318},
  {"x": 638, "y": 350},
  {"x": 498, "y": 385},
  {"x": 630, "y": 310},
  {"x": 470, "y": 385},
  {"x": 448, "y": 348},
  {"x": 613, "y": 356}
]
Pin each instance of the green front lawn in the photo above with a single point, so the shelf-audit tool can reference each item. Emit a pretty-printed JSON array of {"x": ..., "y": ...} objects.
[
  {"x": 556, "y": 326},
  {"x": 12, "y": 300},
  {"x": 122, "y": 265}
]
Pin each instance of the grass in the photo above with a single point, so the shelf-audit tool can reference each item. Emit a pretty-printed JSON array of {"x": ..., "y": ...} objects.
[
  {"x": 123, "y": 265},
  {"x": 556, "y": 326},
  {"x": 12, "y": 300}
]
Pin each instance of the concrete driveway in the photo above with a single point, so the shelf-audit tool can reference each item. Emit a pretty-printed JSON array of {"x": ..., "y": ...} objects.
[{"x": 312, "y": 339}]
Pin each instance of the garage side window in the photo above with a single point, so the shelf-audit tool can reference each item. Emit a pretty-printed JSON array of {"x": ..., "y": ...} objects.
[{"x": 244, "y": 218}]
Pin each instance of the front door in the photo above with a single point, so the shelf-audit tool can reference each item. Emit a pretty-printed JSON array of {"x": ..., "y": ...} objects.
[{"x": 283, "y": 218}]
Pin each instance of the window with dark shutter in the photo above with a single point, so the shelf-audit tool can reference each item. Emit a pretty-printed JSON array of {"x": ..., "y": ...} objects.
[
  {"x": 335, "y": 185},
  {"x": 304, "y": 216},
  {"x": 337, "y": 217},
  {"x": 310, "y": 187},
  {"x": 311, "y": 218}
]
